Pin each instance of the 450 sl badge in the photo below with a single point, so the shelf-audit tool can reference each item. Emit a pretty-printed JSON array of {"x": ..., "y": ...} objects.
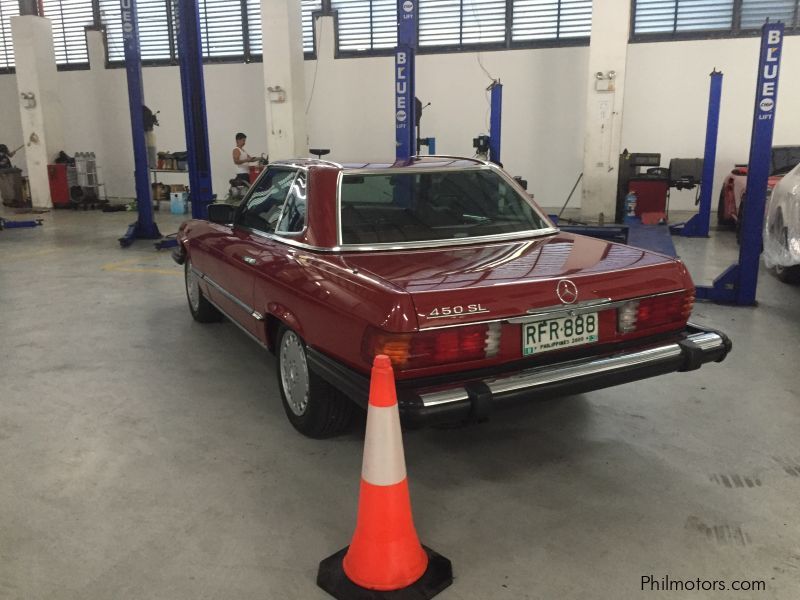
[{"x": 441, "y": 312}]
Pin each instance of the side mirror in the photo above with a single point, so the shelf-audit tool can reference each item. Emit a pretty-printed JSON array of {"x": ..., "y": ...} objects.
[{"x": 221, "y": 213}]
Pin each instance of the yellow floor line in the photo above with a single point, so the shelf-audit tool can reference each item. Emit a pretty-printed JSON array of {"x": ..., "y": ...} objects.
[
  {"x": 24, "y": 255},
  {"x": 125, "y": 266},
  {"x": 158, "y": 271}
]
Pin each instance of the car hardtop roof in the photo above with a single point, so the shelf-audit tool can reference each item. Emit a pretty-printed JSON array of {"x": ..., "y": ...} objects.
[{"x": 416, "y": 162}]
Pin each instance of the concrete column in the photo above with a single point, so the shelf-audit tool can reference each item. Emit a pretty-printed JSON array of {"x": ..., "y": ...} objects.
[
  {"x": 608, "y": 51},
  {"x": 96, "y": 99},
  {"x": 40, "y": 105},
  {"x": 284, "y": 79}
]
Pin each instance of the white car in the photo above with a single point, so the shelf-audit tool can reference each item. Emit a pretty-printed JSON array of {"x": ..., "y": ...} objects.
[{"x": 782, "y": 228}]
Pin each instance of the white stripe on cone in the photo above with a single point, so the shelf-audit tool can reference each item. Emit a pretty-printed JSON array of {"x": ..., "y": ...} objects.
[{"x": 384, "y": 463}]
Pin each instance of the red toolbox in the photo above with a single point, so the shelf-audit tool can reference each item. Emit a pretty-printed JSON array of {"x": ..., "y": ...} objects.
[
  {"x": 651, "y": 194},
  {"x": 59, "y": 185}
]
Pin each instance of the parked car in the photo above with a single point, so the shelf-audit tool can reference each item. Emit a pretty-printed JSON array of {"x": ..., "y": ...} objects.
[
  {"x": 731, "y": 196},
  {"x": 782, "y": 228},
  {"x": 448, "y": 267}
]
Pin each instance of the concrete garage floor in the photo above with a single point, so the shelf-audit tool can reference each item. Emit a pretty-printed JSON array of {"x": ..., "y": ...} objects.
[{"x": 147, "y": 456}]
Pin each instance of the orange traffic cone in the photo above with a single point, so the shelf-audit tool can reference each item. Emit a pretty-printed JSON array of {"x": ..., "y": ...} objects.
[{"x": 385, "y": 558}]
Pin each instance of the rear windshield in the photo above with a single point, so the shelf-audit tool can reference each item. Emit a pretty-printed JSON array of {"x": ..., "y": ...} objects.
[{"x": 417, "y": 207}]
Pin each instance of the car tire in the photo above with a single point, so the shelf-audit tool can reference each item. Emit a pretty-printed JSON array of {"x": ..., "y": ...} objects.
[
  {"x": 788, "y": 274},
  {"x": 313, "y": 406},
  {"x": 202, "y": 310}
]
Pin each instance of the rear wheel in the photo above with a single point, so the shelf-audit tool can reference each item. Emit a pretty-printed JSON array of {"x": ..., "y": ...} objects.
[
  {"x": 202, "y": 310},
  {"x": 313, "y": 406}
]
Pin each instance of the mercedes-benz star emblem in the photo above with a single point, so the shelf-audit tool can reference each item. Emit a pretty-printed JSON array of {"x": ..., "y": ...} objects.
[{"x": 567, "y": 291}]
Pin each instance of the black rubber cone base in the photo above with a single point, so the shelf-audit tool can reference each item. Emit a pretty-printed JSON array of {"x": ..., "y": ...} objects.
[{"x": 437, "y": 576}]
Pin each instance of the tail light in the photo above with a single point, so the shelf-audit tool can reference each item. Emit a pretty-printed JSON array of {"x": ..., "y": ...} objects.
[
  {"x": 434, "y": 347},
  {"x": 655, "y": 311},
  {"x": 627, "y": 315}
]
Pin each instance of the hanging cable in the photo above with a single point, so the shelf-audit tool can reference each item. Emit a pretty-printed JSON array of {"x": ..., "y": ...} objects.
[{"x": 316, "y": 67}]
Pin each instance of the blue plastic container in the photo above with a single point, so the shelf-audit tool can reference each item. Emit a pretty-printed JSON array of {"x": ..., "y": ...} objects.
[{"x": 179, "y": 203}]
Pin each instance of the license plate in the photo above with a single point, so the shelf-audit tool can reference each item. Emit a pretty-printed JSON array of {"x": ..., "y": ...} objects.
[{"x": 555, "y": 334}]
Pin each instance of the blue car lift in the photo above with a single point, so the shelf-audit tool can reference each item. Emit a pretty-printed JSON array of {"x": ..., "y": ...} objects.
[
  {"x": 488, "y": 146},
  {"x": 194, "y": 113},
  {"x": 495, "y": 120},
  {"x": 144, "y": 227},
  {"x": 698, "y": 225},
  {"x": 405, "y": 109},
  {"x": 195, "y": 121},
  {"x": 737, "y": 284}
]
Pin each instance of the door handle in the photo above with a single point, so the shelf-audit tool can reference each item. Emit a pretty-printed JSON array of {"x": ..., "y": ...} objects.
[{"x": 249, "y": 260}]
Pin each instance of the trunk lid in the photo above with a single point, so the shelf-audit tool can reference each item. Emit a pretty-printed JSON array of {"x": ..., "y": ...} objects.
[{"x": 461, "y": 284}]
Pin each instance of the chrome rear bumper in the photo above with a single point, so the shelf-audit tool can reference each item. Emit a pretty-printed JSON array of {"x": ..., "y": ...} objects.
[
  {"x": 550, "y": 375},
  {"x": 462, "y": 398}
]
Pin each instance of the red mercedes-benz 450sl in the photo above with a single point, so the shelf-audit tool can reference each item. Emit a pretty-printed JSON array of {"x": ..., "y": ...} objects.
[{"x": 448, "y": 267}]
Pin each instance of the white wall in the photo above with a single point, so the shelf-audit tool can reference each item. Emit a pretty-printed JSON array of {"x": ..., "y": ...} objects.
[
  {"x": 351, "y": 110},
  {"x": 97, "y": 118},
  {"x": 233, "y": 103},
  {"x": 666, "y": 102}
]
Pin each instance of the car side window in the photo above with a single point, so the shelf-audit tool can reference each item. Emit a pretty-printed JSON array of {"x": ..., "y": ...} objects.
[
  {"x": 265, "y": 202},
  {"x": 293, "y": 217}
]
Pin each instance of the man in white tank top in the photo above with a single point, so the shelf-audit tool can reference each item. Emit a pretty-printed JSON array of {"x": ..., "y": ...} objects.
[{"x": 241, "y": 158}]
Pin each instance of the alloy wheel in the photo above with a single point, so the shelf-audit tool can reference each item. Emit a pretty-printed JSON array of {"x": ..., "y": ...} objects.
[
  {"x": 192, "y": 288},
  {"x": 294, "y": 373}
]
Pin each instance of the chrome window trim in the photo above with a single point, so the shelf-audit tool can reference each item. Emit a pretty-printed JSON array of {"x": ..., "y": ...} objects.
[
  {"x": 503, "y": 237},
  {"x": 339, "y": 209},
  {"x": 438, "y": 243},
  {"x": 306, "y": 162},
  {"x": 409, "y": 169},
  {"x": 453, "y": 157},
  {"x": 287, "y": 241},
  {"x": 278, "y": 166}
]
